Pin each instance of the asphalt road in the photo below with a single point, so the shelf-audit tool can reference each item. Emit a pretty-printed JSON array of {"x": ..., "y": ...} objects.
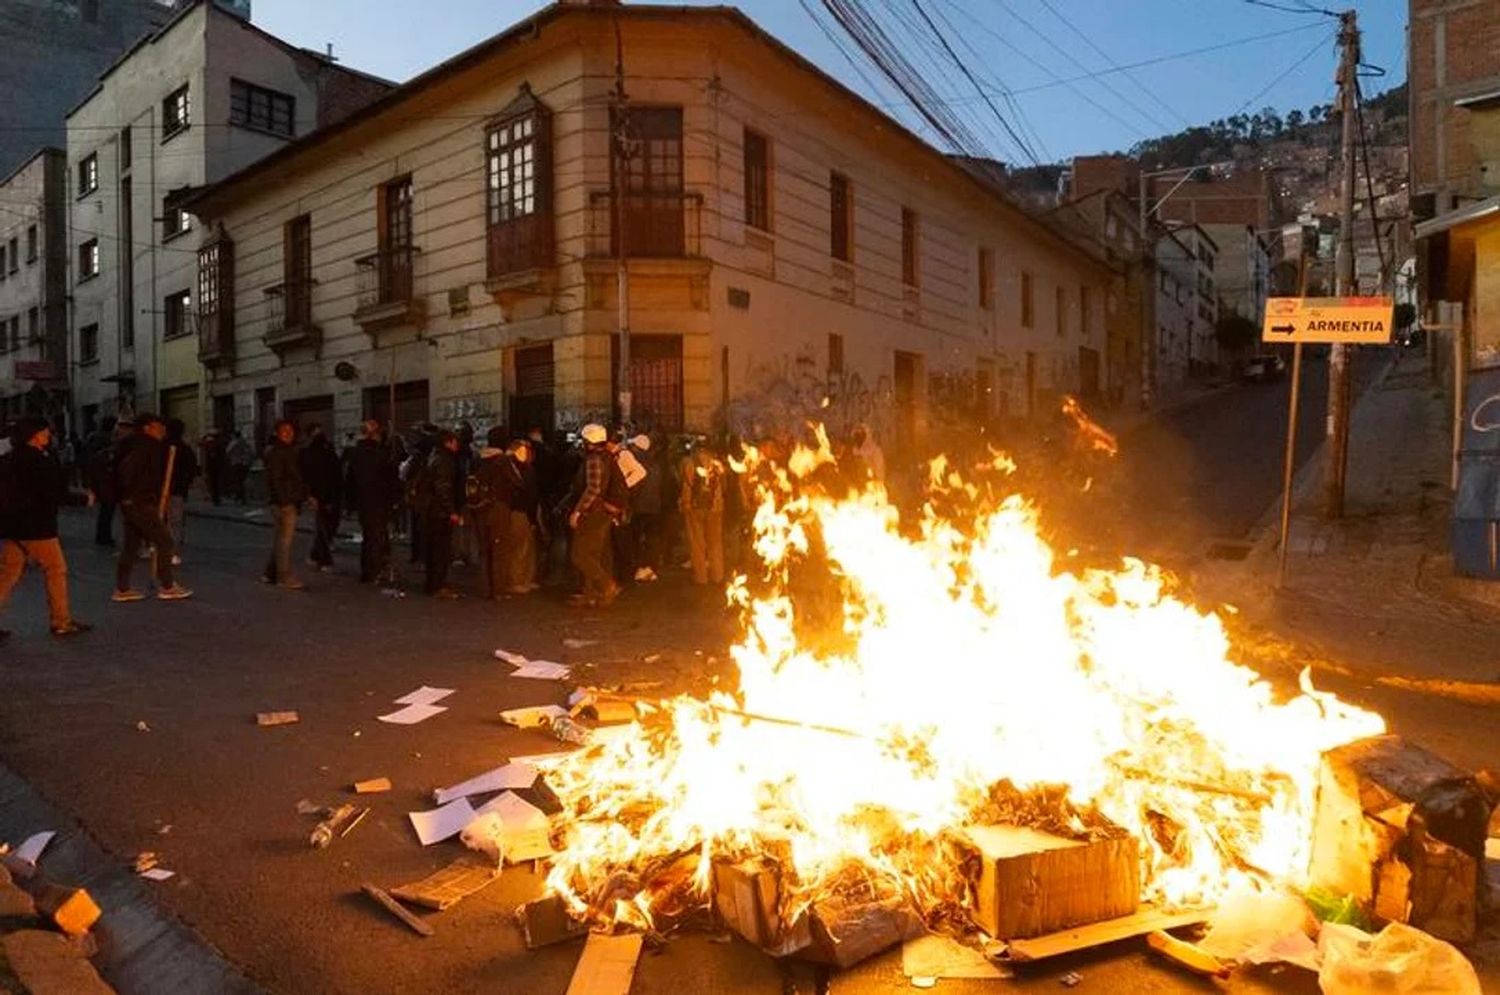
[{"x": 215, "y": 796}]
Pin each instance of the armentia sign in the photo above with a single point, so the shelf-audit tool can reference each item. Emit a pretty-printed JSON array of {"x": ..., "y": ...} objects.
[{"x": 1329, "y": 320}]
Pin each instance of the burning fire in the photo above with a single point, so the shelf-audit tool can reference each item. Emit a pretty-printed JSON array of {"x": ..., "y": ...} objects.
[{"x": 899, "y": 682}]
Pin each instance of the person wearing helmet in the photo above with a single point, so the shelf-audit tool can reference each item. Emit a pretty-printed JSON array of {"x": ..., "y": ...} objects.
[{"x": 601, "y": 491}]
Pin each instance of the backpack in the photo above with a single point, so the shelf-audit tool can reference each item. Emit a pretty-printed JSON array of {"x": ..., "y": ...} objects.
[{"x": 419, "y": 489}]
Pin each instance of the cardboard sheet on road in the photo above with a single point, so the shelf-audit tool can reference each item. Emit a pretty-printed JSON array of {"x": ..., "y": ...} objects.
[
  {"x": 607, "y": 966},
  {"x": 936, "y": 956}
]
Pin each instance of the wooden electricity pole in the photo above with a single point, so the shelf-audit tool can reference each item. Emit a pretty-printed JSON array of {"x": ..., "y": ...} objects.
[{"x": 1338, "y": 358}]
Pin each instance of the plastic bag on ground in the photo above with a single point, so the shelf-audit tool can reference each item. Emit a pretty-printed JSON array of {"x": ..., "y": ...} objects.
[
  {"x": 1399, "y": 960},
  {"x": 1262, "y": 928}
]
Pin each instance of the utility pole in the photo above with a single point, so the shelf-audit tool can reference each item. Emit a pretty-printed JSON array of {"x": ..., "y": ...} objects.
[
  {"x": 621, "y": 170},
  {"x": 1338, "y": 358}
]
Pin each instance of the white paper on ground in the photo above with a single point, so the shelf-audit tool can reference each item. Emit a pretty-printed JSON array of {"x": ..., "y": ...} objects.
[
  {"x": 935, "y": 956},
  {"x": 542, "y": 670},
  {"x": 526, "y": 827},
  {"x": 534, "y": 717},
  {"x": 580, "y": 644},
  {"x": 511, "y": 775},
  {"x": 541, "y": 761},
  {"x": 514, "y": 659},
  {"x": 159, "y": 874},
  {"x": 31, "y": 850},
  {"x": 412, "y": 714},
  {"x": 445, "y": 822},
  {"x": 424, "y": 695}
]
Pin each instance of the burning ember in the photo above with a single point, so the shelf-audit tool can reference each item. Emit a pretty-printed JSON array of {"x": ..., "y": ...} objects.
[{"x": 902, "y": 683}]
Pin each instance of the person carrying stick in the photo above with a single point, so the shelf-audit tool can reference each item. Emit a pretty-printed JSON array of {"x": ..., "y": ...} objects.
[{"x": 145, "y": 477}]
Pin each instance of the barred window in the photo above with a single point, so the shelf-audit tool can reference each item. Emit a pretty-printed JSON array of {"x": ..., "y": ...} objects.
[{"x": 263, "y": 109}]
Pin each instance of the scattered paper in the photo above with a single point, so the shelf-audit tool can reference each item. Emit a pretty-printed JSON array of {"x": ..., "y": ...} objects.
[
  {"x": 541, "y": 760},
  {"x": 276, "y": 718},
  {"x": 580, "y": 644},
  {"x": 935, "y": 956},
  {"x": 512, "y": 775},
  {"x": 526, "y": 828},
  {"x": 412, "y": 714},
  {"x": 542, "y": 670},
  {"x": 424, "y": 695},
  {"x": 514, "y": 659},
  {"x": 442, "y": 823},
  {"x": 534, "y": 717},
  {"x": 31, "y": 850},
  {"x": 607, "y": 965},
  {"x": 158, "y": 874}
]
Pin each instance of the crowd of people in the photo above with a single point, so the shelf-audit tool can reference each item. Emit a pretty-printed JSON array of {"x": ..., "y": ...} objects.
[{"x": 596, "y": 510}]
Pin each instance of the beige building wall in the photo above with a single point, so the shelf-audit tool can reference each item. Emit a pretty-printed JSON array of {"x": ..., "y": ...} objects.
[{"x": 755, "y": 310}]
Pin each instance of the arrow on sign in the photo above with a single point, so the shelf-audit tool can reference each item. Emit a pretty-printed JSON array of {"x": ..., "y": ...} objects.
[{"x": 1284, "y": 329}]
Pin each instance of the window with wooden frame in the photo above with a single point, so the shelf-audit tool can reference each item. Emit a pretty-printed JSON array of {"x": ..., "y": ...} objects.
[
  {"x": 88, "y": 259},
  {"x": 518, "y": 187},
  {"x": 1028, "y": 302},
  {"x": 296, "y": 272},
  {"x": 910, "y": 271},
  {"x": 394, "y": 259},
  {"x": 176, "y": 112},
  {"x": 216, "y": 298},
  {"x": 174, "y": 222},
  {"x": 177, "y": 309},
  {"x": 757, "y": 181},
  {"x": 31, "y": 244},
  {"x": 840, "y": 218},
  {"x": 262, "y": 109},
  {"x": 88, "y": 343},
  {"x": 986, "y": 265},
  {"x": 655, "y": 204}
]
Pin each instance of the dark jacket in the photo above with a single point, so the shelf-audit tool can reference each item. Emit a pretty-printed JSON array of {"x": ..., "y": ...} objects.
[
  {"x": 321, "y": 474},
  {"x": 184, "y": 469},
  {"x": 646, "y": 497},
  {"x": 141, "y": 470},
  {"x": 372, "y": 480},
  {"x": 524, "y": 495},
  {"x": 446, "y": 490},
  {"x": 35, "y": 485},
  {"x": 283, "y": 475}
]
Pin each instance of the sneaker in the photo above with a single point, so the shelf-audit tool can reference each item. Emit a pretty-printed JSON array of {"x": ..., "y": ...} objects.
[
  {"x": 176, "y": 560},
  {"x": 645, "y": 574},
  {"x": 72, "y": 627},
  {"x": 124, "y": 596},
  {"x": 174, "y": 593},
  {"x": 292, "y": 585}
]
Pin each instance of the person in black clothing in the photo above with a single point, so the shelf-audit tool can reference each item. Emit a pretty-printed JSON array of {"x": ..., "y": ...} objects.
[
  {"x": 34, "y": 485},
  {"x": 323, "y": 478},
  {"x": 141, "y": 473},
  {"x": 372, "y": 486},
  {"x": 214, "y": 465},
  {"x": 440, "y": 488},
  {"x": 184, "y": 472},
  {"x": 419, "y": 454},
  {"x": 488, "y": 508},
  {"x": 287, "y": 493},
  {"x": 99, "y": 476}
]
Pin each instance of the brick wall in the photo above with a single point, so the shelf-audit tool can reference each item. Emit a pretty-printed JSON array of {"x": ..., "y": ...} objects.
[{"x": 1455, "y": 53}]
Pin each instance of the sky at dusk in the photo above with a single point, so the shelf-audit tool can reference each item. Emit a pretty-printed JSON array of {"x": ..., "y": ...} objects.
[{"x": 1025, "y": 47}]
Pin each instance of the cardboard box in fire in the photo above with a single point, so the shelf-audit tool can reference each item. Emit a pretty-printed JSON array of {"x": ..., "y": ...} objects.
[
  {"x": 1403, "y": 832},
  {"x": 1029, "y": 882}
]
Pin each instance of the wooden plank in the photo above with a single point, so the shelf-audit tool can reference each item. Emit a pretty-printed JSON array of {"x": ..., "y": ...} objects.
[
  {"x": 276, "y": 718},
  {"x": 373, "y": 786},
  {"x": 1032, "y": 883},
  {"x": 607, "y": 966},
  {"x": 1147, "y": 920},
  {"x": 396, "y": 909},
  {"x": 1188, "y": 955},
  {"x": 445, "y": 888}
]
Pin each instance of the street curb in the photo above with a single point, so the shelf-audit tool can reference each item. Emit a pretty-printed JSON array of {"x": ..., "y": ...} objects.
[{"x": 142, "y": 948}]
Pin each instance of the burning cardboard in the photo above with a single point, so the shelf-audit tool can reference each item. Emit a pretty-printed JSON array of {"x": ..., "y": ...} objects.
[{"x": 1032, "y": 882}]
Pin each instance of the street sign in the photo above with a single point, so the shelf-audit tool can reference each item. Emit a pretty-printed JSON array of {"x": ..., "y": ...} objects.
[
  {"x": 36, "y": 369},
  {"x": 1329, "y": 320}
]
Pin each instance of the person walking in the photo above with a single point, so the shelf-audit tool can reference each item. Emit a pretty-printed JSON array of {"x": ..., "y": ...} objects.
[
  {"x": 437, "y": 489},
  {"x": 523, "y": 505},
  {"x": 142, "y": 476},
  {"x": 702, "y": 503},
  {"x": 487, "y": 506},
  {"x": 645, "y": 511},
  {"x": 33, "y": 485},
  {"x": 238, "y": 456},
  {"x": 214, "y": 465},
  {"x": 100, "y": 452},
  {"x": 184, "y": 472},
  {"x": 372, "y": 486},
  {"x": 287, "y": 494},
  {"x": 323, "y": 477},
  {"x": 602, "y": 498}
]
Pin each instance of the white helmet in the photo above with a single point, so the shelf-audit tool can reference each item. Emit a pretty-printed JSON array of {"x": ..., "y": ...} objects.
[{"x": 594, "y": 434}]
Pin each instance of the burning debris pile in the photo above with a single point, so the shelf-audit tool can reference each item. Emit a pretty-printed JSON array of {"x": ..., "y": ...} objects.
[{"x": 938, "y": 725}]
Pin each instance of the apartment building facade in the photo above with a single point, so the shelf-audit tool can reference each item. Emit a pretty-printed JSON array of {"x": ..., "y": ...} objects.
[
  {"x": 1242, "y": 269},
  {"x": 34, "y": 288},
  {"x": 455, "y": 249},
  {"x": 1453, "y": 55},
  {"x": 205, "y": 95},
  {"x": 1186, "y": 310}
]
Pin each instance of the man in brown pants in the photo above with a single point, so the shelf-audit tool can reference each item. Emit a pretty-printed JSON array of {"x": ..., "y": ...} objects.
[
  {"x": 600, "y": 488},
  {"x": 34, "y": 486}
]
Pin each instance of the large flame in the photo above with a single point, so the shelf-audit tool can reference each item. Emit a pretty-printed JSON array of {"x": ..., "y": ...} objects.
[{"x": 962, "y": 655}]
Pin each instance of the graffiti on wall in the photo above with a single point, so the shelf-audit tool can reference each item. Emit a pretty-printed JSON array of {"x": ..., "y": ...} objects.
[{"x": 784, "y": 394}]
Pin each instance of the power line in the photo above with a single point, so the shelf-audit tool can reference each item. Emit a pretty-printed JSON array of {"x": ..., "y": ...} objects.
[
  {"x": 1303, "y": 8},
  {"x": 1284, "y": 73},
  {"x": 1364, "y": 151},
  {"x": 1111, "y": 62}
]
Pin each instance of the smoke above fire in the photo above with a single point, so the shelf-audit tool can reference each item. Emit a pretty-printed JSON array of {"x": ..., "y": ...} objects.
[{"x": 902, "y": 680}]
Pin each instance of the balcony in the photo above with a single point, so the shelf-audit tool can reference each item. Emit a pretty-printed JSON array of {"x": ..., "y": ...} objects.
[
  {"x": 657, "y": 225},
  {"x": 288, "y": 315},
  {"x": 216, "y": 338},
  {"x": 386, "y": 289}
]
